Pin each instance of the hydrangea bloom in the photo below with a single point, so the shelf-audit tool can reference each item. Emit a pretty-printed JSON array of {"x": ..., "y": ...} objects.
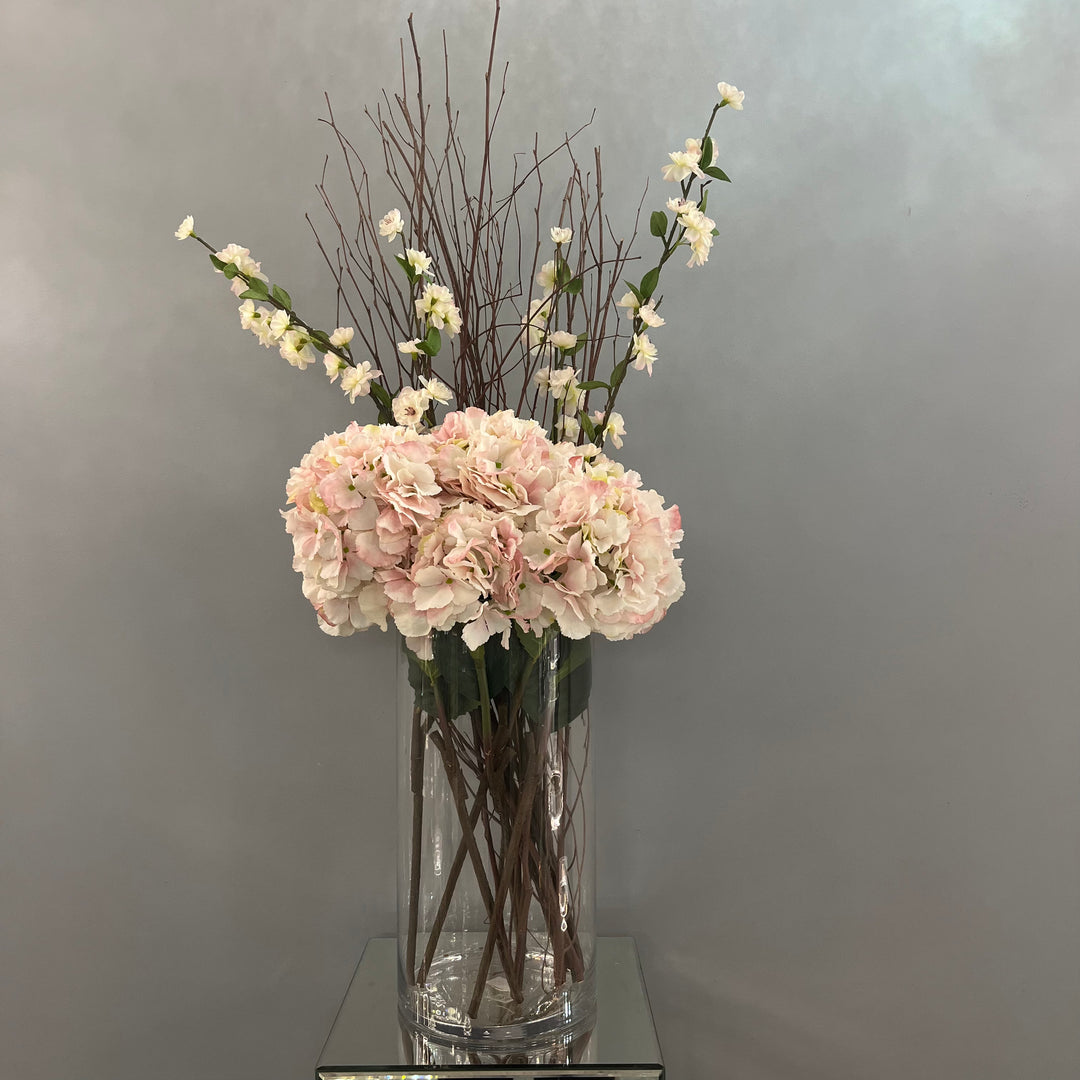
[{"x": 482, "y": 523}]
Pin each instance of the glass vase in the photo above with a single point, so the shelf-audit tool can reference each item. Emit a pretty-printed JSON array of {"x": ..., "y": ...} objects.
[{"x": 496, "y": 937}]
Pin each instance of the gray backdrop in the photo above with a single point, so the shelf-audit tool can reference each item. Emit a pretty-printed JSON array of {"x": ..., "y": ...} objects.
[{"x": 838, "y": 790}]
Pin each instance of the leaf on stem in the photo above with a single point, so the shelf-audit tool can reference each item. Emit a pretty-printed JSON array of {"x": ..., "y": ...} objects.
[
  {"x": 282, "y": 297},
  {"x": 707, "y": 150},
  {"x": 231, "y": 270},
  {"x": 649, "y": 282},
  {"x": 432, "y": 342},
  {"x": 219, "y": 264},
  {"x": 658, "y": 223},
  {"x": 593, "y": 384},
  {"x": 573, "y": 286},
  {"x": 716, "y": 173}
]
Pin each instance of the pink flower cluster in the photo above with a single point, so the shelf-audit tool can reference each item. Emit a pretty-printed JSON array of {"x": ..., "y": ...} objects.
[{"x": 482, "y": 522}]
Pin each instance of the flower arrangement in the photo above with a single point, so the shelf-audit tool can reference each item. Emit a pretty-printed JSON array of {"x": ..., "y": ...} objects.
[{"x": 498, "y": 538}]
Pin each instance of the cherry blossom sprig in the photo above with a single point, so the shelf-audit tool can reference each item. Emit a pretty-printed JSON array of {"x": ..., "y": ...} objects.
[
  {"x": 691, "y": 227},
  {"x": 277, "y": 324}
]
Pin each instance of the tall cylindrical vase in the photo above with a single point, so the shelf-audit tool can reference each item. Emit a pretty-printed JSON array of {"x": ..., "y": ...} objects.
[{"x": 495, "y": 817}]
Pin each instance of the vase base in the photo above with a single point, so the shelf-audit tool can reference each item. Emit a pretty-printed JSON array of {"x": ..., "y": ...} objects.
[{"x": 536, "y": 1009}]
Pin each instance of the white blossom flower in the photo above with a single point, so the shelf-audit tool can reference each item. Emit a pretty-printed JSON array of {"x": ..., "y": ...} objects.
[
  {"x": 437, "y": 306},
  {"x": 680, "y": 206},
  {"x": 279, "y": 323},
  {"x": 561, "y": 236},
  {"x": 563, "y": 339},
  {"x": 614, "y": 429},
  {"x": 410, "y": 405},
  {"x": 730, "y": 95},
  {"x": 250, "y": 316},
  {"x": 420, "y": 261},
  {"x": 391, "y": 225},
  {"x": 546, "y": 278},
  {"x": 412, "y": 346},
  {"x": 535, "y": 322},
  {"x": 297, "y": 349},
  {"x": 699, "y": 235},
  {"x": 630, "y": 302},
  {"x": 186, "y": 229},
  {"x": 231, "y": 252},
  {"x": 560, "y": 381},
  {"x": 694, "y": 146},
  {"x": 643, "y": 352},
  {"x": 342, "y": 336},
  {"x": 437, "y": 390},
  {"x": 684, "y": 162},
  {"x": 571, "y": 427},
  {"x": 647, "y": 314},
  {"x": 334, "y": 366},
  {"x": 356, "y": 381}
]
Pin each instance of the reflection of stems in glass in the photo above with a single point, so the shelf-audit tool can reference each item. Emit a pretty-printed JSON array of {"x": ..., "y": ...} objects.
[
  {"x": 521, "y": 819},
  {"x": 417, "y": 785}
]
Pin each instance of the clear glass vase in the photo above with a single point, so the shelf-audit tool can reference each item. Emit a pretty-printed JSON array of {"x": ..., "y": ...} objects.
[{"x": 496, "y": 938}]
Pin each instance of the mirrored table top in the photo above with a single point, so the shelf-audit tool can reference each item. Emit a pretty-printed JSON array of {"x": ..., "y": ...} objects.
[{"x": 368, "y": 1041}]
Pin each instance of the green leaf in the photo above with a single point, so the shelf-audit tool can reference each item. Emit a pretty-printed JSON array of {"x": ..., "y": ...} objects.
[
  {"x": 704, "y": 200},
  {"x": 282, "y": 297},
  {"x": 258, "y": 286},
  {"x": 219, "y": 264},
  {"x": 594, "y": 384},
  {"x": 574, "y": 286},
  {"x": 649, "y": 282},
  {"x": 716, "y": 173},
  {"x": 251, "y": 294},
  {"x": 716, "y": 232},
  {"x": 562, "y": 271},
  {"x": 432, "y": 342},
  {"x": 658, "y": 223},
  {"x": 231, "y": 270},
  {"x": 382, "y": 396},
  {"x": 706, "y": 153},
  {"x": 588, "y": 425},
  {"x": 634, "y": 290},
  {"x": 407, "y": 267}
]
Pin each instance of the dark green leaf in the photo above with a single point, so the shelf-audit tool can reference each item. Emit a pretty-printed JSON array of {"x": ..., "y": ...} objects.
[
  {"x": 634, "y": 289},
  {"x": 716, "y": 173},
  {"x": 562, "y": 271},
  {"x": 706, "y": 153},
  {"x": 574, "y": 286},
  {"x": 658, "y": 223},
  {"x": 258, "y": 286},
  {"x": 219, "y": 264},
  {"x": 432, "y": 342},
  {"x": 252, "y": 294},
  {"x": 282, "y": 297},
  {"x": 588, "y": 426},
  {"x": 407, "y": 267},
  {"x": 594, "y": 384},
  {"x": 649, "y": 282},
  {"x": 231, "y": 270}
]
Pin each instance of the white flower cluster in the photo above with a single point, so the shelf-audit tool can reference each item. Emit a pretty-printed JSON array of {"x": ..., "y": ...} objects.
[
  {"x": 699, "y": 229},
  {"x": 411, "y": 405}
]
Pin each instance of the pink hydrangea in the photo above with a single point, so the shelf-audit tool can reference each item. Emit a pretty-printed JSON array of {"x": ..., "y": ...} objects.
[{"x": 481, "y": 523}]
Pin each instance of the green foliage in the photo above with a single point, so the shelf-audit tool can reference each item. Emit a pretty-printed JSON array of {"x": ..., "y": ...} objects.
[
  {"x": 562, "y": 272},
  {"x": 282, "y": 297},
  {"x": 635, "y": 291},
  {"x": 231, "y": 270},
  {"x": 219, "y": 264},
  {"x": 587, "y": 425},
  {"x": 524, "y": 671},
  {"x": 594, "y": 384},
  {"x": 574, "y": 286},
  {"x": 407, "y": 267},
  {"x": 716, "y": 173},
  {"x": 706, "y": 152},
  {"x": 432, "y": 342},
  {"x": 649, "y": 282},
  {"x": 658, "y": 223}
]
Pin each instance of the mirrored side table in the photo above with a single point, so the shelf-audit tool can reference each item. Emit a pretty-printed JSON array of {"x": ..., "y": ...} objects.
[{"x": 368, "y": 1042}]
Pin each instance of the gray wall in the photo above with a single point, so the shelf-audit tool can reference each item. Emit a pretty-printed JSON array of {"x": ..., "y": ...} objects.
[{"x": 838, "y": 786}]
